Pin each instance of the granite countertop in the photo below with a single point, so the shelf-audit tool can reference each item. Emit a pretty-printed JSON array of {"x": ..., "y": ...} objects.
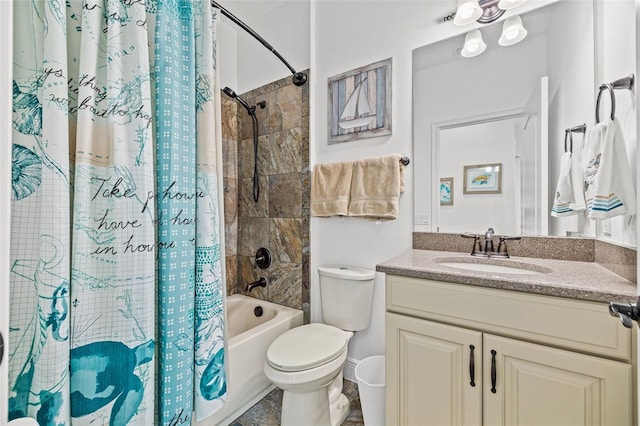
[{"x": 560, "y": 278}]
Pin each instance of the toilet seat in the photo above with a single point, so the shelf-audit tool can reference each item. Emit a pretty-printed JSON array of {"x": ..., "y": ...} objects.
[{"x": 306, "y": 347}]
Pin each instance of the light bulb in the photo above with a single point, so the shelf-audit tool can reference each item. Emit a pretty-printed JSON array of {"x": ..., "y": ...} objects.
[
  {"x": 510, "y": 4},
  {"x": 468, "y": 11},
  {"x": 512, "y": 31},
  {"x": 465, "y": 11},
  {"x": 473, "y": 44}
]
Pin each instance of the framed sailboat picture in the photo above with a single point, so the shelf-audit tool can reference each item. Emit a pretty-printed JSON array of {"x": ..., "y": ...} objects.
[{"x": 360, "y": 103}]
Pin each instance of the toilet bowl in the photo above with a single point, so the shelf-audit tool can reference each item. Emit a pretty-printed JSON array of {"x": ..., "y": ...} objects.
[{"x": 306, "y": 362}]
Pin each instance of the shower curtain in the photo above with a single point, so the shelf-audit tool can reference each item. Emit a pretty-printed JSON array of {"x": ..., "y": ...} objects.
[{"x": 117, "y": 287}]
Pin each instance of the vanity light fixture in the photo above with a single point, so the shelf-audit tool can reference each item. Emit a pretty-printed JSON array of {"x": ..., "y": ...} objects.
[
  {"x": 512, "y": 31},
  {"x": 510, "y": 4},
  {"x": 468, "y": 11},
  {"x": 473, "y": 44},
  {"x": 482, "y": 11}
]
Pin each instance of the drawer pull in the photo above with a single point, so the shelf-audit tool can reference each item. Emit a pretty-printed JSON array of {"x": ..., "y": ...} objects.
[
  {"x": 472, "y": 366},
  {"x": 493, "y": 371}
]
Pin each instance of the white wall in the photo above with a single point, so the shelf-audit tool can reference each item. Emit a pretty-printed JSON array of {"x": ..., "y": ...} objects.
[
  {"x": 244, "y": 63},
  {"x": 6, "y": 35},
  {"x": 571, "y": 93},
  {"x": 347, "y": 34},
  {"x": 493, "y": 142},
  {"x": 484, "y": 91},
  {"x": 615, "y": 58},
  {"x": 227, "y": 51}
]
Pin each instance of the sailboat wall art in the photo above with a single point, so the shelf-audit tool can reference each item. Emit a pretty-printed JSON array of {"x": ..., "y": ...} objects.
[{"x": 360, "y": 103}]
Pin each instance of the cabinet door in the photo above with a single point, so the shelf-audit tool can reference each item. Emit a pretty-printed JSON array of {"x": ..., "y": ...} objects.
[
  {"x": 539, "y": 385},
  {"x": 429, "y": 373}
]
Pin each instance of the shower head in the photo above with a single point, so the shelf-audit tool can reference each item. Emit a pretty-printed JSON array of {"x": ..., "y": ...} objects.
[
  {"x": 230, "y": 93},
  {"x": 233, "y": 95},
  {"x": 250, "y": 109}
]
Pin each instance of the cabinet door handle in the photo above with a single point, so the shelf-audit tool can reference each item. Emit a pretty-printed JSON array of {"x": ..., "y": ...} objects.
[
  {"x": 1, "y": 348},
  {"x": 493, "y": 371},
  {"x": 472, "y": 366}
]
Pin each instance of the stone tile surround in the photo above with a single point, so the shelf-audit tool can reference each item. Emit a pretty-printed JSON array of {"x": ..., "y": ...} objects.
[
  {"x": 619, "y": 260},
  {"x": 279, "y": 220}
]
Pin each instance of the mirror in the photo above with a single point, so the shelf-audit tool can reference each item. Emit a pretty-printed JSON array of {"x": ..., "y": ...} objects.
[{"x": 511, "y": 111}]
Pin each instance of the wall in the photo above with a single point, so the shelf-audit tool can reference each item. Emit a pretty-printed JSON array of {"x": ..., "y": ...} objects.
[
  {"x": 616, "y": 58},
  {"x": 571, "y": 94},
  {"x": 279, "y": 220},
  {"x": 493, "y": 142},
  {"x": 483, "y": 92},
  {"x": 245, "y": 64},
  {"x": 361, "y": 33},
  {"x": 345, "y": 35},
  {"x": 229, "y": 120}
]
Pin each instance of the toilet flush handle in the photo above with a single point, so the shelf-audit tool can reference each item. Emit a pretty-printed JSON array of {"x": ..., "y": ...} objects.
[{"x": 627, "y": 313}]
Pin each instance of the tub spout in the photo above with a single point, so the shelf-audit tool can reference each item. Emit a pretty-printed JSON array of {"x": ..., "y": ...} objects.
[{"x": 262, "y": 282}]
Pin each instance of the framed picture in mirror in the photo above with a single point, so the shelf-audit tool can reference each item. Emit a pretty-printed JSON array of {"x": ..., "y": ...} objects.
[
  {"x": 446, "y": 191},
  {"x": 359, "y": 103},
  {"x": 482, "y": 179}
]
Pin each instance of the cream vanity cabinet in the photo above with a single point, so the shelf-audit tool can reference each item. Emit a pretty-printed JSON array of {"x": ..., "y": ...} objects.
[{"x": 466, "y": 355}]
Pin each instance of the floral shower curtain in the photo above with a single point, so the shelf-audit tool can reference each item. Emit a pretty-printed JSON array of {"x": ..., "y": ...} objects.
[{"x": 115, "y": 180}]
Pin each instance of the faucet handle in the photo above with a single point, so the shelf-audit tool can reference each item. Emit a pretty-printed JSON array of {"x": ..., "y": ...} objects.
[
  {"x": 502, "y": 246},
  {"x": 477, "y": 248}
]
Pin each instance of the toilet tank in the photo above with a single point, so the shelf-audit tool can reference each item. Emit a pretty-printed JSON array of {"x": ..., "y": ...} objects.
[{"x": 346, "y": 294}]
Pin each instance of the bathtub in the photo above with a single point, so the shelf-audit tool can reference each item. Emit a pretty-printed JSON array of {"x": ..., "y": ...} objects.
[{"x": 249, "y": 337}]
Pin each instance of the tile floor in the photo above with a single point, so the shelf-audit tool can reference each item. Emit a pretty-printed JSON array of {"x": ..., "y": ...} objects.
[{"x": 267, "y": 411}]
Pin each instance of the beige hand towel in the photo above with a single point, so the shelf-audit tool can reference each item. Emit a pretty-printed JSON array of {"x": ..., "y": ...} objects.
[
  {"x": 376, "y": 186},
  {"x": 330, "y": 187}
]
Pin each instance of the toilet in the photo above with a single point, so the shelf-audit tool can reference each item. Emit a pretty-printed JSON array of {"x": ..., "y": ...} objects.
[{"x": 306, "y": 362}]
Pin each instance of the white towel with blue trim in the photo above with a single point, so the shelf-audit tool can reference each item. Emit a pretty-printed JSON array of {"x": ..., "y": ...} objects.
[
  {"x": 569, "y": 199},
  {"x": 608, "y": 183}
]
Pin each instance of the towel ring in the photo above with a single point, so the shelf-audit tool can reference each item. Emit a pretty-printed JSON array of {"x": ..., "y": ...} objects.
[
  {"x": 568, "y": 133},
  {"x": 612, "y": 95}
]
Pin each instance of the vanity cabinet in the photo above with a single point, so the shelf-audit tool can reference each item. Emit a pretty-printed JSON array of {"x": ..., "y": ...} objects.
[{"x": 466, "y": 355}]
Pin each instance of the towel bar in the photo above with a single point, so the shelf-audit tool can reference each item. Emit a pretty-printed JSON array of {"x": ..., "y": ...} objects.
[
  {"x": 621, "y": 83},
  {"x": 405, "y": 161},
  {"x": 568, "y": 133}
]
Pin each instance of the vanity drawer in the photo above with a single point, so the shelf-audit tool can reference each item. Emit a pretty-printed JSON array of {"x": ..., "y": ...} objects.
[{"x": 565, "y": 323}]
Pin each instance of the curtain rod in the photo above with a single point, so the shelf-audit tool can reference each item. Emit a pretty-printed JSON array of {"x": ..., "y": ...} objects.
[{"x": 299, "y": 78}]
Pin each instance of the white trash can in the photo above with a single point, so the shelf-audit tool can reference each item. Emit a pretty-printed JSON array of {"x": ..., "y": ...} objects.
[{"x": 370, "y": 376}]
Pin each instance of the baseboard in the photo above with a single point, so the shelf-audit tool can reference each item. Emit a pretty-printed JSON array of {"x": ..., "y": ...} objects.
[{"x": 349, "y": 372}]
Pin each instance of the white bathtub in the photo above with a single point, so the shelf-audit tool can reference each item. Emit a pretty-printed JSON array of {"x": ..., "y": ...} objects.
[{"x": 249, "y": 338}]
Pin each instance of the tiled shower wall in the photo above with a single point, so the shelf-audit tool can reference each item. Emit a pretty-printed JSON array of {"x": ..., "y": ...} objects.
[{"x": 279, "y": 220}]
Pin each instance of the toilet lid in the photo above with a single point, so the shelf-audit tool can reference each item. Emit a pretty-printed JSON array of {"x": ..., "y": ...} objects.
[{"x": 307, "y": 346}]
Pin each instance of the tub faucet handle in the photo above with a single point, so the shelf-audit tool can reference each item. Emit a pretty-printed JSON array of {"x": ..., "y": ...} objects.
[{"x": 263, "y": 258}]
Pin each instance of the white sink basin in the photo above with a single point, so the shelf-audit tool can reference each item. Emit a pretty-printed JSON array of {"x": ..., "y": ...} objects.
[{"x": 493, "y": 266}]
